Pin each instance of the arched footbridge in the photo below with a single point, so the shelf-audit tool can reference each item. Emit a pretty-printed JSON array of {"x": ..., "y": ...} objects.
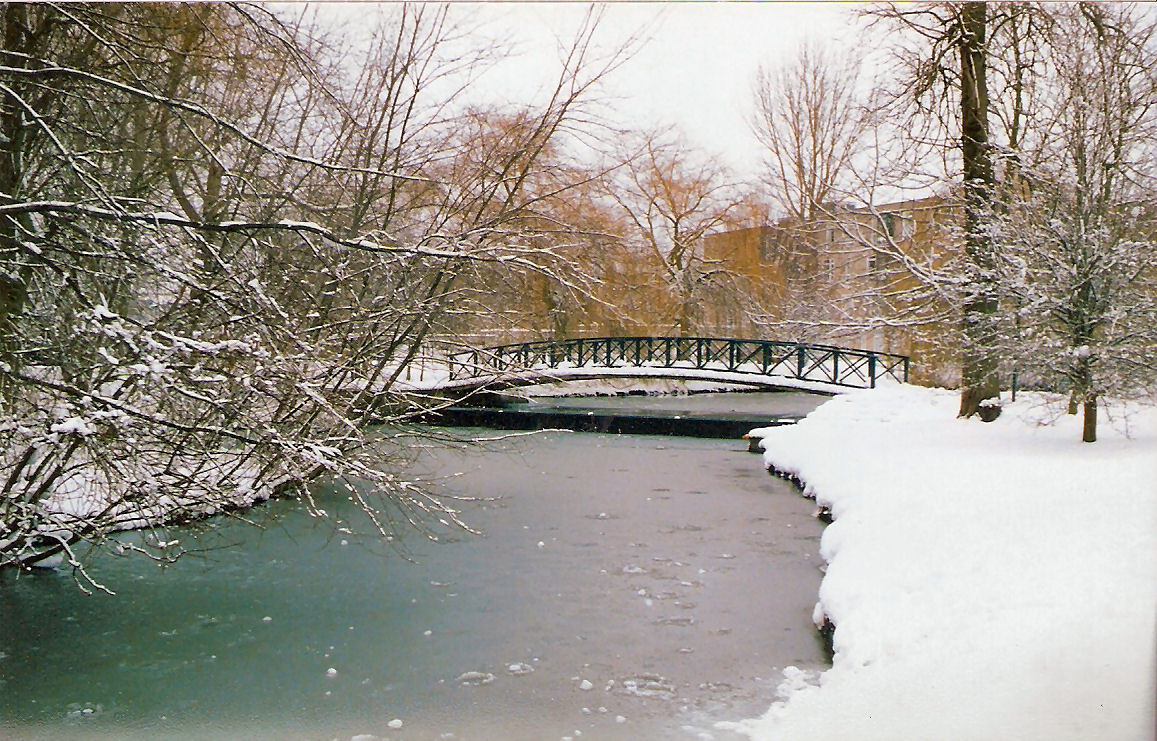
[{"x": 759, "y": 363}]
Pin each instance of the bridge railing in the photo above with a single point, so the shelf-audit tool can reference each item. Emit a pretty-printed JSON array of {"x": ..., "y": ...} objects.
[{"x": 839, "y": 366}]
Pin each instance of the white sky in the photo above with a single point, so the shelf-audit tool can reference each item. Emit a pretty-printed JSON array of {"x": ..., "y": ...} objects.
[{"x": 694, "y": 70}]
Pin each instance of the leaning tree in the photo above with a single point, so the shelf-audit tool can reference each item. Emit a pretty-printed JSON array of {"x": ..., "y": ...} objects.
[{"x": 218, "y": 255}]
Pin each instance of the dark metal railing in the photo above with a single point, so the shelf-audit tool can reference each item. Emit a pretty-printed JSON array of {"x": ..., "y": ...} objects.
[{"x": 839, "y": 366}]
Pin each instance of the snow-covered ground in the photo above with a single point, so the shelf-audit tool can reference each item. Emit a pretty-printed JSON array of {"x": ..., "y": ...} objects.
[{"x": 986, "y": 582}]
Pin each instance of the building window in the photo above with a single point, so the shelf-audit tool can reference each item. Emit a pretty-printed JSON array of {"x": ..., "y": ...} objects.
[
  {"x": 766, "y": 247},
  {"x": 891, "y": 225},
  {"x": 873, "y": 262}
]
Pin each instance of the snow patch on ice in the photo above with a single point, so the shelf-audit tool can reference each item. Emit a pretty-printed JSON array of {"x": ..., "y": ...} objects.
[{"x": 475, "y": 678}]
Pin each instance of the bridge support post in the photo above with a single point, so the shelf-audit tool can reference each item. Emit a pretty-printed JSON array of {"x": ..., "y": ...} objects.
[
  {"x": 800, "y": 359},
  {"x": 872, "y": 370}
]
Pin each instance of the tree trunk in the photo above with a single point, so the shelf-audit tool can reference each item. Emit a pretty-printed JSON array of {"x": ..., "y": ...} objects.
[
  {"x": 980, "y": 385},
  {"x": 1089, "y": 428},
  {"x": 13, "y": 130}
]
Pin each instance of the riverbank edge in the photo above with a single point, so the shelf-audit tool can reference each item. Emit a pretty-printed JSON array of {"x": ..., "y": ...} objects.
[
  {"x": 946, "y": 656},
  {"x": 825, "y": 626},
  {"x": 70, "y": 530}
]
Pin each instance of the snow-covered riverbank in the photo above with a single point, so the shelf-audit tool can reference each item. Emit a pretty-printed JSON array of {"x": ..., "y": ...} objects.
[{"x": 986, "y": 581}]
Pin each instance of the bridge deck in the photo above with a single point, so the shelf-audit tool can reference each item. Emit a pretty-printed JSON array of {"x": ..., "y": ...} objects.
[{"x": 532, "y": 377}]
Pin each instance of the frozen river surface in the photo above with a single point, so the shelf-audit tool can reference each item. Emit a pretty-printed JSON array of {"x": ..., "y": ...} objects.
[{"x": 625, "y": 587}]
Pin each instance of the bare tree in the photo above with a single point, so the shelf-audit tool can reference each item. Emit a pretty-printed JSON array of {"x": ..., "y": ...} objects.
[
  {"x": 1078, "y": 264},
  {"x": 946, "y": 65},
  {"x": 217, "y": 263},
  {"x": 672, "y": 198},
  {"x": 980, "y": 385},
  {"x": 809, "y": 119},
  {"x": 954, "y": 66},
  {"x": 814, "y": 123},
  {"x": 1056, "y": 197}
]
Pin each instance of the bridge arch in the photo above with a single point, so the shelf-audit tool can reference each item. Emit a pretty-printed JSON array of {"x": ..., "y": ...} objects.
[{"x": 761, "y": 363}]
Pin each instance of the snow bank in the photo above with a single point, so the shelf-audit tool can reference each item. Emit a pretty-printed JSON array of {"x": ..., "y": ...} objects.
[
  {"x": 624, "y": 386},
  {"x": 986, "y": 581},
  {"x": 542, "y": 374}
]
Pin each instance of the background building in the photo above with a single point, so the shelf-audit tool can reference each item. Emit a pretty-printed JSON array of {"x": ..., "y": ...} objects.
[{"x": 858, "y": 277}]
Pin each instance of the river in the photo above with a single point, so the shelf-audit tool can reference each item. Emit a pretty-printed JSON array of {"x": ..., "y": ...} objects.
[{"x": 624, "y": 587}]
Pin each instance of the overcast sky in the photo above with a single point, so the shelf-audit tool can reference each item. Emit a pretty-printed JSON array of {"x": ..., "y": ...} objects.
[{"x": 694, "y": 70}]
